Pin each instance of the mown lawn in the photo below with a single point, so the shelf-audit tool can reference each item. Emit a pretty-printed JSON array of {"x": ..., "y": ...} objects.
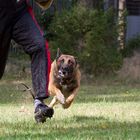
[{"x": 106, "y": 111}]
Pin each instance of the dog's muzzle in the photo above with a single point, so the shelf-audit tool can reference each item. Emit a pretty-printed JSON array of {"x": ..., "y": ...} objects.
[{"x": 65, "y": 72}]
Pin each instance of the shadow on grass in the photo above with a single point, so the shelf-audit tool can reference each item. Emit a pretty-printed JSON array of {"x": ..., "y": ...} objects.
[{"x": 76, "y": 128}]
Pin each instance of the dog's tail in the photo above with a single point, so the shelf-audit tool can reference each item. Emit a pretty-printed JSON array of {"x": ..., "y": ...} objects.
[{"x": 29, "y": 89}]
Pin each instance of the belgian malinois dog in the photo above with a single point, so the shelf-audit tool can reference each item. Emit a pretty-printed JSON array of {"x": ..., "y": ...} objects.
[{"x": 64, "y": 79}]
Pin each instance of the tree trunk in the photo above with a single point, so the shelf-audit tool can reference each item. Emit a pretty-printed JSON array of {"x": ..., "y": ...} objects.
[{"x": 121, "y": 23}]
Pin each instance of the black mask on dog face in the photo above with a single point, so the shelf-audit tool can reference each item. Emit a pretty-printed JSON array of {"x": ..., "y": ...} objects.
[{"x": 66, "y": 65}]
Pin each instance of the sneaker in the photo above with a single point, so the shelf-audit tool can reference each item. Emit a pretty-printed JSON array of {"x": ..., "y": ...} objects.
[{"x": 42, "y": 112}]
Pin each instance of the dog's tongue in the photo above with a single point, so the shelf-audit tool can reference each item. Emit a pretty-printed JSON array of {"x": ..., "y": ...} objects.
[{"x": 60, "y": 74}]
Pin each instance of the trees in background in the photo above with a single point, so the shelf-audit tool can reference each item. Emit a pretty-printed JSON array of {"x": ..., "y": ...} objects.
[
  {"x": 91, "y": 3},
  {"x": 86, "y": 31},
  {"x": 89, "y": 34}
]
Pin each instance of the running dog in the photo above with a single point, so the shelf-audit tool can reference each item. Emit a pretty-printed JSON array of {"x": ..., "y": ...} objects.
[{"x": 64, "y": 79}]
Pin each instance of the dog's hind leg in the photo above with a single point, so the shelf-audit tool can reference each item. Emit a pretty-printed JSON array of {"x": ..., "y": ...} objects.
[{"x": 53, "y": 102}]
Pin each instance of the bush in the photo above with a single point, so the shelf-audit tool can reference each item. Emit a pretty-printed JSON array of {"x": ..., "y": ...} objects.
[
  {"x": 88, "y": 34},
  {"x": 132, "y": 44}
]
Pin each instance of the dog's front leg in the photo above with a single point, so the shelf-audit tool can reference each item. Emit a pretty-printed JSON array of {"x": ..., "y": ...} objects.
[
  {"x": 60, "y": 97},
  {"x": 53, "y": 102},
  {"x": 70, "y": 99},
  {"x": 57, "y": 92}
]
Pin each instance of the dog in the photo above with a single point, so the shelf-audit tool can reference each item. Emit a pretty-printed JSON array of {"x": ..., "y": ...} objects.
[{"x": 64, "y": 80}]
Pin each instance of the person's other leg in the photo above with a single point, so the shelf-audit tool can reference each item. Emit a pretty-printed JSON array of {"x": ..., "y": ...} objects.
[
  {"x": 5, "y": 36},
  {"x": 27, "y": 33}
]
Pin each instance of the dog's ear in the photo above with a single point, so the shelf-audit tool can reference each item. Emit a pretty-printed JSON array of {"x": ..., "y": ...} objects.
[{"x": 58, "y": 54}]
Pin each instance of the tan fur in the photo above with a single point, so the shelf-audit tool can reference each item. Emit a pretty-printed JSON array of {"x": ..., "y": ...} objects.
[{"x": 60, "y": 92}]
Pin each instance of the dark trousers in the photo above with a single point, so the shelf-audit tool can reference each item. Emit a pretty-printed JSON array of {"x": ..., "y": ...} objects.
[{"x": 20, "y": 25}]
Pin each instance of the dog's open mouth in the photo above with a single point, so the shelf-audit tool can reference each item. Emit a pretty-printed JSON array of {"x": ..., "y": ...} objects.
[{"x": 62, "y": 74}]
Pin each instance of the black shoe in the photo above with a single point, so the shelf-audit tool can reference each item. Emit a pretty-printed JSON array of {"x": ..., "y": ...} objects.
[{"x": 42, "y": 112}]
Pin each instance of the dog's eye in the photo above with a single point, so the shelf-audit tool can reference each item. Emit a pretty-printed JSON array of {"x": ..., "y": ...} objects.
[
  {"x": 70, "y": 62},
  {"x": 62, "y": 61}
]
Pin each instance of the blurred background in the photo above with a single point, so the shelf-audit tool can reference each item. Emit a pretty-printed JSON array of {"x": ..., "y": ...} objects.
[{"x": 104, "y": 35}]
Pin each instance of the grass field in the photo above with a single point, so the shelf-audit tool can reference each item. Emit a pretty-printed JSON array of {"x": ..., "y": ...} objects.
[{"x": 101, "y": 111}]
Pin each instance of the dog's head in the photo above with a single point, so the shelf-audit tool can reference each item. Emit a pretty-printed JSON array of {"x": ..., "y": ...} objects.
[{"x": 66, "y": 64}]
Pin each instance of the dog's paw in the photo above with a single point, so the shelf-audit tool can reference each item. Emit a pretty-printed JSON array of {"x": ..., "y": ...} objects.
[
  {"x": 65, "y": 106},
  {"x": 61, "y": 98}
]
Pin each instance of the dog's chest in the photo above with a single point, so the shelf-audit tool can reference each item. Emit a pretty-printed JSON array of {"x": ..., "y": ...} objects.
[
  {"x": 66, "y": 90},
  {"x": 66, "y": 86}
]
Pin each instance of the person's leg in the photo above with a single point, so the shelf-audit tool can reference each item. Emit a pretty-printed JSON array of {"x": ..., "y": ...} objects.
[
  {"x": 27, "y": 33},
  {"x": 5, "y": 36}
]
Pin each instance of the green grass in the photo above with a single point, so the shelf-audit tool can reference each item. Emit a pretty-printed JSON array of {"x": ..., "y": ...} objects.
[{"x": 106, "y": 111}]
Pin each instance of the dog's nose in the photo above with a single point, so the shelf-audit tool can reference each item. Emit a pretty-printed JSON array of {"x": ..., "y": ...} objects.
[
  {"x": 66, "y": 68},
  {"x": 64, "y": 72}
]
